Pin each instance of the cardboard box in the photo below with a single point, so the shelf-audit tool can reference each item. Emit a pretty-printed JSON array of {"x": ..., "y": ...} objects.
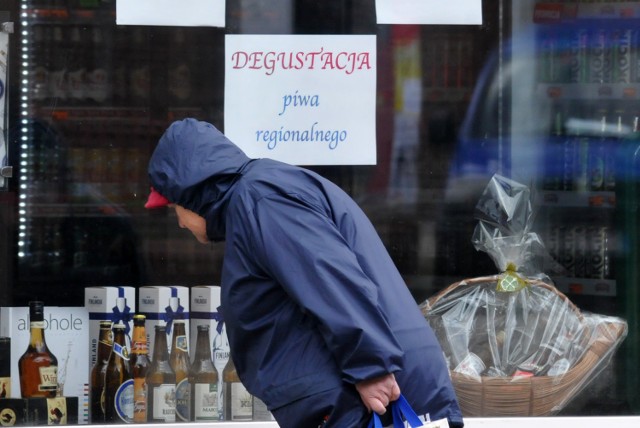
[
  {"x": 38, "y": 411},
  {"x": 52, "y": 411},
  {"x": 161, "y": 305},
  {"x": 205, "y": 300},
  {"x": 114, "y": 304},
  {"x": 13, "y": 411},
  {"x": 67, "y": 335}
]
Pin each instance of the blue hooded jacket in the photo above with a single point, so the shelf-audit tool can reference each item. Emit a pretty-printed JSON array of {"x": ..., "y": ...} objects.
[{"x": 310, "y": 297}]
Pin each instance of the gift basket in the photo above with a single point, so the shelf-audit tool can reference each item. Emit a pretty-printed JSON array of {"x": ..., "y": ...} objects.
[{"x": 515, "y": 345}]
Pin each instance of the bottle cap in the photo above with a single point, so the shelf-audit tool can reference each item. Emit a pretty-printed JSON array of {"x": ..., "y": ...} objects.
[{"x": 36, "y": 310}]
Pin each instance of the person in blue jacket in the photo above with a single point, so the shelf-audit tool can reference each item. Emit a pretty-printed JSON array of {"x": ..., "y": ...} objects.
[{"x": 321, "y": 325}]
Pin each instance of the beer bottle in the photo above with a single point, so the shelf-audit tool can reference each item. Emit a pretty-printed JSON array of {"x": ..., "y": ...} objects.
[
  {"x": 96, "y": 386},
  {"x": 203, "y": 378},
  {"x": 161, "y": 382},
  {"x": 37, "y": 367},
  {"x": 238, "y": 403},
  {"x": 140, "y": 368},
  {"x": 179, "y": 360},
  {"x": 118, "y": 384}
]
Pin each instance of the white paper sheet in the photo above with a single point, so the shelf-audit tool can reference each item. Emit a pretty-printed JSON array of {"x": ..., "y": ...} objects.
[
  {"x": 186, "y": 13},
  {"x": 457, "y": 12},
  {"x": 302, "y": 99}
]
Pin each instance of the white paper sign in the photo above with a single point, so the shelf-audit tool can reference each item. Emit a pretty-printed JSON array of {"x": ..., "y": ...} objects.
[
  {"x": 460, "y": 12},
  {"x": 185, "y": 13},
  {"x": 302, "y": 99}
]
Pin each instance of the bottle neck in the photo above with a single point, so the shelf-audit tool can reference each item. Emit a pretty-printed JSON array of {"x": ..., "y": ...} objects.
[
  {"x": 36, "y": 338},
  {"x": 104, "y": 345},
  {"x": 203, "y": 350},
  {"x": 160, "y": 352},
  {"x": 139, "y": 341}
]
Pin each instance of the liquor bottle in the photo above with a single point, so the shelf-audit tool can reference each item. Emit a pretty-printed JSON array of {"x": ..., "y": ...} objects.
[
  {"x": 597, "y": 156},
  {"x": 203, "y": 378},
  {"x": 118, "y": 383},
  {"x": 140, "y": 368},
  {"x": 38, "y": 367},
  {"x": 161, "y": 381},
  {"x": 96, "y": 386},
  {"x": 179, "y": 360},
  {"x": 238, "y": 402},
  {"x": 140, "y": 68}
]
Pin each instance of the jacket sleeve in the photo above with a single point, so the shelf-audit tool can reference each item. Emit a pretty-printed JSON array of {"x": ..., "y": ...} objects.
[{"x": 302, "y": 249}]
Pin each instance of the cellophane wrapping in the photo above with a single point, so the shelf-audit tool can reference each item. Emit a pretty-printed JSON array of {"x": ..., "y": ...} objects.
[{"x": 515, "y": 324}]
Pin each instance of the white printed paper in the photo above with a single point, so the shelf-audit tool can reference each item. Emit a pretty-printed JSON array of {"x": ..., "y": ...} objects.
[
  {"x": 185, "y": 13},
  {"x": 456, "y": 12},
  {"x": 302, "y": 99}
]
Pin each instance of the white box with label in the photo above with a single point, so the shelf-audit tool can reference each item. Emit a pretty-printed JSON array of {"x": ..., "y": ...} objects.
[
  {"x": 205, "y": 300},
  {"x": 66, "y": 334},
  {"x": 115, "y": 304},
  {"x": 161, "y": 305}
]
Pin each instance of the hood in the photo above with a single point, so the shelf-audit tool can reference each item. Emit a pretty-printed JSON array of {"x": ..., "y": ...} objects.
[{"x": 194, "y": 165}]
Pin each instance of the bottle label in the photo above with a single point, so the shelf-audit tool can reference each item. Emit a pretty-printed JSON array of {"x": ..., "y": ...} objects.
[
  {"x": 241, "y": 403},
  {"x": 124, "y": 401},
  {"x": 164, "y": 403},
  {"x": 57, "y": 411},
  {"x": 139, "y": 400},
  {"x": 122, "y": 351},
  {"x": 205, "y": 401},
  {"x": 37, "y": 324},
  {"x": 183, "y": 403},
  {"x": 5, "y": 387},
  {"x": 48, "y": 378},
  {"x": 181, "y": 343}
]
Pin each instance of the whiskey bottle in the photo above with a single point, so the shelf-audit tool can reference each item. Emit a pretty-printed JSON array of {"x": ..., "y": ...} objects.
[
  {"x": 238, "y": 402},
  {"x": 96, "y": 385},
  {"x": 161, "y": 382},
  {"x": 38, "y": 367},
  {"x": 140, "y": 368},
  {"x": 180, "y": 363},
  {"x": 203, "y": 378},
  {"x": 118, "y": 383}
]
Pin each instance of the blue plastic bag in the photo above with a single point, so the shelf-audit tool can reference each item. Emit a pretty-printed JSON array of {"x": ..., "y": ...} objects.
[{"x": 399, "y": 408}]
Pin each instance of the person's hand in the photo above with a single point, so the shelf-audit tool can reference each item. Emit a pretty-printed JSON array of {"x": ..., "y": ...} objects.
[{"x": 376, "y": 394}]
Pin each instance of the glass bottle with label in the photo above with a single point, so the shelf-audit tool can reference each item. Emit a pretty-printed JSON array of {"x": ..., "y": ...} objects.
[
  {"x": 161, "y": 382},
  {"x": 238, "y": 402},
  {"x": 140, "y": 368},
  {"x": 96, "y": 386},
  {"x": 203, "y": 378},
  {"x": 38, "y": 367},
  {"x": 180, "y": 363},
  {"x": 118, "y": 383}
]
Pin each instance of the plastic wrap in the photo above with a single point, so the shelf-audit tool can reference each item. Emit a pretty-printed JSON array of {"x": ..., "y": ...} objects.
[{"x": 515, "y": 329}]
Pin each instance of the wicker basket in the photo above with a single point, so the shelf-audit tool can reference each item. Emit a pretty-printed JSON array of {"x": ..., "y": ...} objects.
[{"x": 530, "y": 396}]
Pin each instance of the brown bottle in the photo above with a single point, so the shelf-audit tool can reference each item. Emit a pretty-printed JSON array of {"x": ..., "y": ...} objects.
[
  {"x": 238, "y": 403},
  {"x": 96, "y": 385},
  {"x": 38, "y": 367},
  {"x": 140, "y": 369},
  {"x": 161, "y": 382},
  {"x": 118, "y": 383},
  {"x": 180, "y": 363},
  {"x": 203, "y": 378}
]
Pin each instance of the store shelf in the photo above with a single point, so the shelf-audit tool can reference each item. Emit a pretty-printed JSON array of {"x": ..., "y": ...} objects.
[
  {"x": 589, "y": 91},
  {"x": 586, "y": 286},
  {"x": 568, "y": 199}
]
